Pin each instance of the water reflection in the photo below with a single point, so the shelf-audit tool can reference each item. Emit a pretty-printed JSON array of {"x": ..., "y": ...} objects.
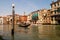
[
  {"x": 33, "y": 32},
  {"x": 46, "y": 32},
  {"x": 1, "y": 29},
  {"x": 58, "y": 30}
]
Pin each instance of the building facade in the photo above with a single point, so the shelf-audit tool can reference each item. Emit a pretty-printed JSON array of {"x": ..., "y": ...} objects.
[
  {"x": 16, "y": 19},
  {"x": 55, "y": 12},
  {"x": 3, "y": 20},
  {"x": 23, "y": 18},
  {"x": 44, "y": 16},
  {"x": 33, "y": 17}
]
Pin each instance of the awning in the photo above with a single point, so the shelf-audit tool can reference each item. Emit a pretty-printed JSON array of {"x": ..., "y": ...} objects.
[{"x": 35, "y": 16}]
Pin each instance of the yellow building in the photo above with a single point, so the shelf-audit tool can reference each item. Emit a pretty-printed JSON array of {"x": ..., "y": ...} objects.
[
  {"x": 3, "y": 20},
  {"x": 32, "y": 17},
  {"x": 44, "y": 16},
  {"x": 16, "y": 18},
  {"x": 55, "y": 12}
]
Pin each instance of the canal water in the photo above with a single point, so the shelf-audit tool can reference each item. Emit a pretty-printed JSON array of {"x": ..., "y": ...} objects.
[{"x": 33, "y": 32}]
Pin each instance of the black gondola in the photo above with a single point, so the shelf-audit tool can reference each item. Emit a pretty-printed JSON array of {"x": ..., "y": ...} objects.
[{"x": 24, "y": 24}]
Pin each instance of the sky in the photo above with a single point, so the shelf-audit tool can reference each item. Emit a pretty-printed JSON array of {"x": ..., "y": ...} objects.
[{"x": 22, "y": 6}]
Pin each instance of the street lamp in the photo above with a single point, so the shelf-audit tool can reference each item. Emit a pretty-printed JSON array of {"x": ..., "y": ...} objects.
[
  {"x": 13, "y": 15},
  {"x": 13, "y": 5}
]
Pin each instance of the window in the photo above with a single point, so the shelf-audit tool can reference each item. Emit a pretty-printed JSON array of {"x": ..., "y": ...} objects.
[
  {"x": 58, "y": 4},
  {"x": 58, "y": 10},
  {"x": 55, "y": 5}
]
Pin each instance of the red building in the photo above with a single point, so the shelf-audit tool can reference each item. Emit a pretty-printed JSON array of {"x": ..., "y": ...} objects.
[{"x": 23, "y": 18}]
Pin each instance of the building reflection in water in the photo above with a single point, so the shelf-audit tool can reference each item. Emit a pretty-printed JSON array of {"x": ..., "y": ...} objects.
[
  {"x": 1, "y": 29},
  {"x": 49, "y": 32},
  {"x": 35, "y": 32},
  {"x": 58, "y": 31},
  {"x": 39, "y": 32}
]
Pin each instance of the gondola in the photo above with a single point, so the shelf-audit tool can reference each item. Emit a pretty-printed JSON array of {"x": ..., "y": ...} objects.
[{"x": 24, "y": 24}]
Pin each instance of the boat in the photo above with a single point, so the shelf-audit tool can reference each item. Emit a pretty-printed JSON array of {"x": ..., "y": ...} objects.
[{"x": 24, "y": 24}]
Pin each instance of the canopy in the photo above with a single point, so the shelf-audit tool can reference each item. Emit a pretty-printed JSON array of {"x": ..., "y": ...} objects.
[{"x": 35, "y": 16}]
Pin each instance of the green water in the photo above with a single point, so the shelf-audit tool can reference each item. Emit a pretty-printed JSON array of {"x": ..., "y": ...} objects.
[{"x": 33, "y": 32}]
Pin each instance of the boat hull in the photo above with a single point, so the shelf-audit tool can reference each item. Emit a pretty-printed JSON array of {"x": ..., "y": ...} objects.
[{"x": 24, "y": 25}]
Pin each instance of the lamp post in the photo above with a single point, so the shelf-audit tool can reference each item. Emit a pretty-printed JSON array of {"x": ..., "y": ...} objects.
[{"x": 13, "y": 15}]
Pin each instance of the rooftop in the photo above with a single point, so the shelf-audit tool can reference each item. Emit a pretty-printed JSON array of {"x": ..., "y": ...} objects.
[{"x": 55, "y": 2}]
